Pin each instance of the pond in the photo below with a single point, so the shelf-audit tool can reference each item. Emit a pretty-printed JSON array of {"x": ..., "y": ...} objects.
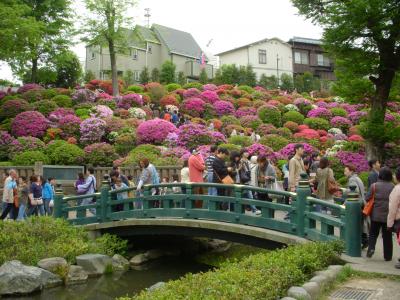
[{"x": 115, "y": 285}]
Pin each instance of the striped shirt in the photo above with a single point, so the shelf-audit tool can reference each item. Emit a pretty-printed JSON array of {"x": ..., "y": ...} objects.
[{"x": 209, "y": 163}]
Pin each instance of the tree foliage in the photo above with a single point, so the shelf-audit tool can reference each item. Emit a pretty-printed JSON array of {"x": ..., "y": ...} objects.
[
  {"x": 144, "y": 76},
  {"x": 268, "y": 82},
  {"x": 364, "y": 36},
  {"x": 32, "y": 32},
  {"x": 106, "y": 25},
  {"x": 167, "y": 72},
  {"x": 231, "y": 74},
  {"x": 286, "y": 82},
  {"x": 203, "y": 78},
  {"x": 155, "y": 75}
]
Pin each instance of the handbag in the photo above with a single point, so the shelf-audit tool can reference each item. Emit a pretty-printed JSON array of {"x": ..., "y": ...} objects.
[
  {"x": 333, "y": 187},
  {"x": 15, "y": 196},
  {"x": 245, "y": 176},
  {"x": 367, "y": 211},
  {"x": 227, "y": 180},
  {"x": 39, "y": 201}
]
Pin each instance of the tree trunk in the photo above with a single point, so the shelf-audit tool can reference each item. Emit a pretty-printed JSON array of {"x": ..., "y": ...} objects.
[
  {"x": 34, "y": 70},
  {"x": 376, "y": 122},
  {"x": 114, "y": 71}
]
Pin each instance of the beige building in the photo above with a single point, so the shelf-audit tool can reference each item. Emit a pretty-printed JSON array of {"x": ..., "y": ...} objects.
[
  {"x": 150, "y": 47},
  {"x": 268, "y": 56}
]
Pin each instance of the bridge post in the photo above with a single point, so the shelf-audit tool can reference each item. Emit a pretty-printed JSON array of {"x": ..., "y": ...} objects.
[
  {"x": 58, "y": 202},
  {"x": 303, "y": 191},
  {"x": 104, "y": 198},
  {"x": 353, "y": 223},
  {"x": 238, "y": 197}
]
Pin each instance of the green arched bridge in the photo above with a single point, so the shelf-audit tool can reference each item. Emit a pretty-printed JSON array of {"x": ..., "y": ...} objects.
[{"x": 186, "y": 212}]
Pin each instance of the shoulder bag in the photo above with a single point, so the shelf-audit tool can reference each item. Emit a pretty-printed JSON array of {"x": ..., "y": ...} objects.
[
  {"x": 367, "y": 211},
  {"x": 333, "y": 187},
  {"x": 16, "y": 199},
  {"x": 226, "y": 180}
]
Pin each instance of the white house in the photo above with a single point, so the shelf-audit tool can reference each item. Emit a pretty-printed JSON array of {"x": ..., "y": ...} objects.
[{"x": 268, "y": 56}]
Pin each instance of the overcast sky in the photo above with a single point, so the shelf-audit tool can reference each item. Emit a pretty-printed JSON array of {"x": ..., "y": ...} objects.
[{"x": 229, "y": 23}]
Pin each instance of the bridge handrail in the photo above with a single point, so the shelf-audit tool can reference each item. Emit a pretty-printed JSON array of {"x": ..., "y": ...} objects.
[
  {"x": 80, "y": 197},
  {"x": 324, "y": 203}
]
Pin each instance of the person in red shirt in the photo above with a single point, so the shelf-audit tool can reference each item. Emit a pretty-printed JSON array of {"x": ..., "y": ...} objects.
[
  {"x": 196, "y": 174},
  {"x": 167, "y": 116}
]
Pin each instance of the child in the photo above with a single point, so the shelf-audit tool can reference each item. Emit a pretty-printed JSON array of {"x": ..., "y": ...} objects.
[
  {"x": 48, "y": 195},
  {"x": 131, "y": 184},
  {"x": 176, "y": 189},
  {"x": 119, "y": 185}
]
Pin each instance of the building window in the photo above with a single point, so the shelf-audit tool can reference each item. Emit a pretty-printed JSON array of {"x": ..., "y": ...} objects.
[
  {"x": 136, "y": 75},
  {"x": 262, "y": 56},
  {"x": 301, "y": 58},
  {"x": 93, "y": 56},
  {"x": 135, "y": 54},
  {"x": 297, "y": 58},
  {"x": 149, "y": 48},
  {"x": 322, "y": 60}
]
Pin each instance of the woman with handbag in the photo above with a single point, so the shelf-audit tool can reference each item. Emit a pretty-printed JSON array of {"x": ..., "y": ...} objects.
[
  {"x": 393, "y": 218},
  {"x": 266, "y": 177},
  {"x": 35, "y": 196},
  {"x": 221, "y": 171},
  {"x": 325, "y": 181},
  {"x": 379, "y": 193}
]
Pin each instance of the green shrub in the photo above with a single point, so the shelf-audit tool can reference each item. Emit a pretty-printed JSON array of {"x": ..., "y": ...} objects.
[
  {"x": 148, "y": 151},
  {"x": 63, "y": 100},
  {"x": 49, "y": 93},
  {"x": 276, "y": 142},
  {"x": 364, "y": 177},
  {"x": 28, "y": 158},
  {"x": 45, "y": 106},
  {"x": 100, "y": 154},
  {"x": 270, "y": 115},
  {"x": 196, "y": 85},
  {"x": 43, "y": 237},
  {"x": 243, "y": 141},
  {"x": 338, "y": 112},
  {"x": 124, "y": 143},
  {"x": 82, "y": 113},
  {"x": 67, "y": 154},
  {"x": 317, "y": 123},
  {"x": 231, "y": 147},
  {"x": 172, "y": 87},
  {"x": 293, "y": 116},
  {"x": 246, "y": 88},
  {"x": 261, "y": 276},
  {"x": 135, "y": 88},
  {"x": 229, "y": 120}
]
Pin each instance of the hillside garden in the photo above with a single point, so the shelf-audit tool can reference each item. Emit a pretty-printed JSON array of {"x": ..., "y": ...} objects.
[{"x": 87, "y": 125}]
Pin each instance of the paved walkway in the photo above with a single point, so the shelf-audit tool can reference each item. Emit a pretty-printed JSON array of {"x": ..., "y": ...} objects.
[
  {"x": 371, "y": 289},
  {"x": 376, "y": 264}
]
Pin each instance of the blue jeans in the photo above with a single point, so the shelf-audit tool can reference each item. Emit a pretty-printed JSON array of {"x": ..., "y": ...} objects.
[
  {"x": 212, "y": 191},
  {"x": 48, "y": 210},
  {"x": 4, "y": 207},
  {"x": 22, "y": 212}
]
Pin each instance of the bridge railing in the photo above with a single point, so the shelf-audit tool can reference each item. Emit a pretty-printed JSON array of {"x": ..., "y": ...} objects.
[{"x": 232, "y": 204}]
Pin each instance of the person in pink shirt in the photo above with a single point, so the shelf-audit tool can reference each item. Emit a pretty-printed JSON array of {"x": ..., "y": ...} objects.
[{"x": 196, "y": 174}]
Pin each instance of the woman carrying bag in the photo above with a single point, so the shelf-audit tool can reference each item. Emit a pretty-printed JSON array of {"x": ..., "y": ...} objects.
[
  {"x": 379, "y": 193},
  {"x": 393, "y": 218}
]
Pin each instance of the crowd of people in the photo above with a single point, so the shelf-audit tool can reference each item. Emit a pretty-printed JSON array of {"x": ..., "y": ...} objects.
[
  {"x": 23, "y": 198},
  {"x": 36, "y": 197}
]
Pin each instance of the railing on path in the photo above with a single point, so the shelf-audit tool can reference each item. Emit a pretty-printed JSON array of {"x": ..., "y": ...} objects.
[{"x": 191, "y": 201}]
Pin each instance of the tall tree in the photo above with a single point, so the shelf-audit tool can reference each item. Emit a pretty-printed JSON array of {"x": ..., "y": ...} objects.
[
  {"x": 155, "y": 75},
  {"x": 203, "y": 77},
  {"x": 365, "y": 36},
  {"x": 286, "y": 82},
  {"x": 144, "y": 76},
  {"x": 268, "y": 82},
  {"x": 68, "y": 69},
  {"x": 106, "y": 25},
  {"x": 251, "y": 76},
  {"x": 167, "y": 72},
  {"x": 32, "y": 32}
]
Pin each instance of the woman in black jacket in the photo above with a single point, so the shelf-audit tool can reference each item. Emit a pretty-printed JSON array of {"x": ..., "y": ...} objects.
[
  {"x": 220, "y": 169},
  {"x": 235, "y": 165},
  {"x": 380, "y": 210}
]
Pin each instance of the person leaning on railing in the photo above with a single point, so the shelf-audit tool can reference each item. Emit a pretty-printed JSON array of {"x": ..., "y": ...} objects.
[
  {"x": 393, "y": 218},
  {"x": 220, "y": 169}
]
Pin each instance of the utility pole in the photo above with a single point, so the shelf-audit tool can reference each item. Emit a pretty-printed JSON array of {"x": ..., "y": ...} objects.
[
  {"x": 277, "y": 68},
  {"x": 147, "y": 15}
]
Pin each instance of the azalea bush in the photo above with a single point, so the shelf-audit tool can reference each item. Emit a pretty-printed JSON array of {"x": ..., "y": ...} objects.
[
  {"x": 83, "y": 95},
  {"x": 65, "y": 154},
  {"x": 193, "y": 135},
  {"x": 154, "y": 131},
  {"x": 29, "y": 123},
  {"x": 6, "y": 141},
  {"x": 29, "y": 158},
  {"x": 317, "y": 123},
  {"x": 193, "y": 106},
  {"x": 92, "y": 130},
  {"x": 340, "y": 122},
  {"x": 13, "y": 107},
  {"x": 293, "y": 116},
  {"x": 250, "y": 121},
  {"x": 101, "y": 111},
  {"x": 224, "y": 108},
  {"x": 100, "y": 154},
  {"x": 130, "y": 100}
]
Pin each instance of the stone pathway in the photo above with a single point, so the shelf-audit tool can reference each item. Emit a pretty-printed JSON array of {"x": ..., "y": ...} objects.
[
  {"x": 367, "y": 289},
  {"x": 376, "y": 264}
]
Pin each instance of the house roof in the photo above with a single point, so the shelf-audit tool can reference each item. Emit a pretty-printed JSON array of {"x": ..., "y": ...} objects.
[
  {"x": 147, "y": 34},
  {"x": 177, "y": 41},
  {"x": 251, "y": 44},
  {"x": 132, "y": 38},
  {"x": 302, "y": 40}
]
